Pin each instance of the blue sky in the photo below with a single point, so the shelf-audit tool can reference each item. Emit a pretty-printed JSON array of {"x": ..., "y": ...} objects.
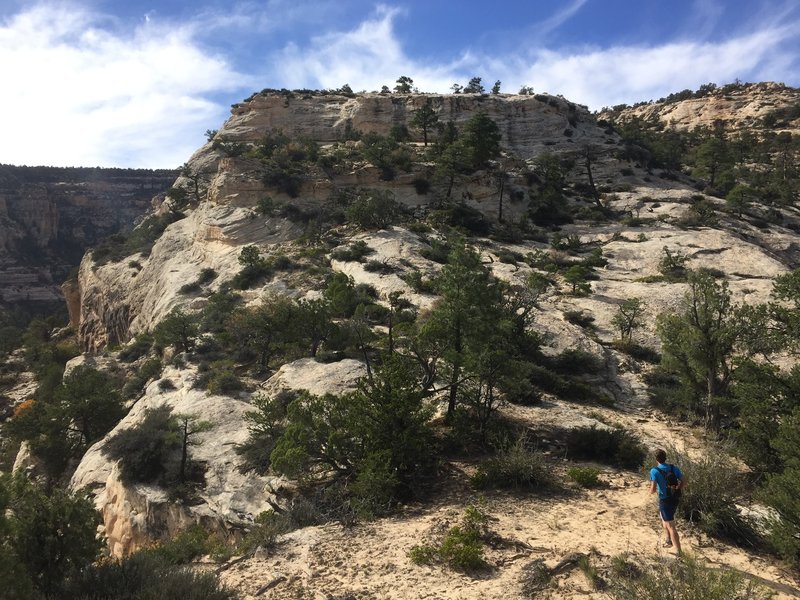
[{"x": 136, "y": 83}]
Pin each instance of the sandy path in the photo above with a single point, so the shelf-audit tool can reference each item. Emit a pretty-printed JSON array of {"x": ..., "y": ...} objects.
[{"x": 371, "y": 560}]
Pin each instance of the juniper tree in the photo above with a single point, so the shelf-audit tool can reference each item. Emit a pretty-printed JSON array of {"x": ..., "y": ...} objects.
[
  {"x": 699, "y": 343},
  {"x": 628, "y": 317},
  {"x": 425, "y": 119}
]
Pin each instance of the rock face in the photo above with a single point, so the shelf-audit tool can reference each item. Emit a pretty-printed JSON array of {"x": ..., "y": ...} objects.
[
  {"x": 50, "y": 216},
  {"x": 734, "y": 108},
  {"x": 529, "y": 124},
  {"x": 117, "y": 301},
  {"x": 134, "y": 515}
]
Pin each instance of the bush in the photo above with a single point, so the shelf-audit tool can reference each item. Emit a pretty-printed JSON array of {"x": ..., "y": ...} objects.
[
  {"x": 638, "y": 351},
  {"x": 672, "y": 266},
  {"x": 145, "y": 575},
  {"x": 587, "y": 477},
  {"x": 515, "y": 467},
  {"x": 143, "y": 450},
  {"x": 686, "y": 578},
  {"x": 438, "y": 252},
  {"x": 355, "y": 252},
  {"x": 150, "y": 369},
  {"x": 378, "y": 266},
  {"x": 376, "y": 209},
  {"x": 463, "y": 217},
  {"x": 45, "y": 537},
  {"x": 574, "y": 361},
  {"x": 580, "y": 318},
  {"x": 265, "y": 425},
  {"x": 616, "y": 446},
  {"x": 220, "y": 378},
  {"x": 418, "y": 283},
  {"x": 265, "y": 531},
  {"x": 138, "y": 347},
  {"x": 421, "y": 186},
  {"x": 140, "y": 240},
  {"x": 461, "y": 548},
  {"x": 509, "y": 257},
  {"x": 207, "y": 275}
]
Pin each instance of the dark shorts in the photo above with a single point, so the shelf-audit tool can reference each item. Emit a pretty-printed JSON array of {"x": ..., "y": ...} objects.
[{"x": 667, "y": 507}]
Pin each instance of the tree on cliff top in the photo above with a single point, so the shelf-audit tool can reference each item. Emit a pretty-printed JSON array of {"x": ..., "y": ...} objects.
[{"x": 404, "y": 84}]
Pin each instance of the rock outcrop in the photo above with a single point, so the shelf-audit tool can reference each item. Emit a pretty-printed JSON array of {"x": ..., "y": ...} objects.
[{"x": 732, "y": 106}]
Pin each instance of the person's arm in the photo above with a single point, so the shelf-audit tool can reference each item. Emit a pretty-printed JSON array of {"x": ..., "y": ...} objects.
[
  {"x": 652, "y": 483},
  {"x": 681, "y": 482}
]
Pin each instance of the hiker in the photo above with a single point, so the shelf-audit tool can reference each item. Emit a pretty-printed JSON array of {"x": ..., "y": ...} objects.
[{"x": 668, "y": 480}]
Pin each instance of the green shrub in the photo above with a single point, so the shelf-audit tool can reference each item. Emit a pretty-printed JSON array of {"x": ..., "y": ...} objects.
[
  {"x": 461, "y": 548},
  {"x": 138, "y": 347},
  {"x": 265, "y": 206},
  {"x": 509, "y": 257},
  {"x": 378, "y": 266},
  {"x": 421, "y": 185},
  {"x": 265, "y": 531},
  {"x": 265, "y": 425},
  {"x": 218, "y": 377},
  {"x": 780, "y": 493},
  {"x": 587, "y": 477},
  {"x": 45, "y": 536},
  {"x": 166, "y": 385},
  {"x": 462, "y": 217},
  {"x": 375, "y": 209},
  {"x": 617, "y": 446},
  {"x": 574, "y": 361},
  {"x": 143, "y": 451},
  {"x": 140, "y": 240},
  {"x": 186, "y": 546},
  {"x": 686, "y": 578},
  {"x": 438, "y": 251},
  {"x": 418, "y": 283},
  {"x": 355, "y": 252},
  {"x": 144, "y": 575},
  {"x": 580, "y": 318},
  {"x": 150, "y": 369},
  {"x": 515, "y": 467},
  {"x": 672, "y": 266}
]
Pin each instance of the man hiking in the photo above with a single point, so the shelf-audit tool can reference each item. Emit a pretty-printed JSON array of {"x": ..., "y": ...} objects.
[{"x": 668, "y": 480}]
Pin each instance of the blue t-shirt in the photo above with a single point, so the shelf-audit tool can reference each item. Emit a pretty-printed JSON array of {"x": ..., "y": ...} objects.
[{"x": 659, "y": 475}]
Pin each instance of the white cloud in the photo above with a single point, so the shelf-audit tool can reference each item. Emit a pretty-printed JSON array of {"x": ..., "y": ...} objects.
[
  {"x": 80, "y": 93},
  {"x": 81, "y": 89},
  {"x": 559, "y": 18},
  {"x": 370, "y": 55}
]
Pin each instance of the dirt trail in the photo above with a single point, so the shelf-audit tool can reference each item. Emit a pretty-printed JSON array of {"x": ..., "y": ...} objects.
[{"x": 371, "y": 560}]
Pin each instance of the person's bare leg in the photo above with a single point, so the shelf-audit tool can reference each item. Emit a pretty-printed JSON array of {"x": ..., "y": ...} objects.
[
  {"x": 672, "y": 531},
  {"x": 668, "y": 540}
]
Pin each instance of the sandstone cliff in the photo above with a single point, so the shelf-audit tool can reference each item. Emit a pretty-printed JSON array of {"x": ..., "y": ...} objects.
[
  {"x": 117, "y": 301},
  {"x": 50, "y": 216},
  {"x": 733, "y": 106}
]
